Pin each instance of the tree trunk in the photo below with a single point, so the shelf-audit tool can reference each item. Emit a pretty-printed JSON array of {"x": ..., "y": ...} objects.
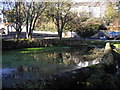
[
  {"x": 60, "y": 35},
  {"x": 17, "y": 34},
  {"x": 30, "y": 32},
  {"x": 27, "y": 36},
  {"x": 61, "y": 57},
  {"x": 30, "y": 35}
]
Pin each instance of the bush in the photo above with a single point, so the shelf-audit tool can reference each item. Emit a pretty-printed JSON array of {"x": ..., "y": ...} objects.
[{"x": 88, "y": 29}]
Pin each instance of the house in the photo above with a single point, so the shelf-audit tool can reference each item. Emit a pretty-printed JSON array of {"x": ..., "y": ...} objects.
[
  {"x": 94, "y": 8},
  {"x": 3, "y": 25},
  {"x": 1, "y": 17}
]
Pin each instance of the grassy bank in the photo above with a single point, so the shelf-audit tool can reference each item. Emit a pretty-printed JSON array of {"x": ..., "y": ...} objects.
[
  {"x": 24, "y": 43},
  {"x": 99, "y": 42}
]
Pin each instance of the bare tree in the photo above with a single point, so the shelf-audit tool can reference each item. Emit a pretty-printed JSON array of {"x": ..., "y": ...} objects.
[
  {"x": 60, "y": 14},
  {"x": 18, "y": 18},
  {"x": 14, "y": 14},
  {"x": 25, "y": 14},
  {"x": 32, "y": 11}
]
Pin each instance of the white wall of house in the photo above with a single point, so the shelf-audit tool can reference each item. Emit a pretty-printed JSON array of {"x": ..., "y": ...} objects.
[
  {"x": 95, "y": 11},
  {"x": 2, "y": 24},
  {"x": 1, "y": 16}
]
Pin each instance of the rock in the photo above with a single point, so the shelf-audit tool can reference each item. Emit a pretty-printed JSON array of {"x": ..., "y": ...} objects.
[{"x": 107, "y": 46}]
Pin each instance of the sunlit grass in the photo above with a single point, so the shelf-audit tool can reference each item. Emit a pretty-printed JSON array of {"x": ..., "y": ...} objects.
[
  {"x": 35, "y": 48},
  {"x": 43, "y": 49},
  {"x": 99, "y": 42},
  {"x": 117, "y": 46}
]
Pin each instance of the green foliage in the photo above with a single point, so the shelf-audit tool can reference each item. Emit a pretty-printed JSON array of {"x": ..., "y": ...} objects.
[
  {"x": 88, "y": 29},
  {"x": 60, "y": 14},
  {"x": 83, "y": 18},
  {"x": 93, "y": 20},
  {"x": 110, "y": 12},
  {"x": 101, "y": 79},
  {"x": 84, "y": 26},
  {"x": 75, "y": 22},
  {"x": 10, "y": 16}
]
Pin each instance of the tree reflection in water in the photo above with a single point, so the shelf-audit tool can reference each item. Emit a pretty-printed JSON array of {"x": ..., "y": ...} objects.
[
  {"x": 36, "y": 65},
  {"x": 67, "y": 58}
]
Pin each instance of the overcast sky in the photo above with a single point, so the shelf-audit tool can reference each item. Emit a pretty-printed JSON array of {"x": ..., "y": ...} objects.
[
  {"x": 90, "y": 0},
  {"x": 84, "y": 0},
  {"x": 53, "y": 0}
]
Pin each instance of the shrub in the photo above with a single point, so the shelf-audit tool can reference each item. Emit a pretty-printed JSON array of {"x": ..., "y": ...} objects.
[{"x": 88, "y": 29}]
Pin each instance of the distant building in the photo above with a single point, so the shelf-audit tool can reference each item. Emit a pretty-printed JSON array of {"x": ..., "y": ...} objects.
[
  {"x": 1, "y": 16},
  {"x": 3, "y": 24},
  {"x": 92, "y": 9}
]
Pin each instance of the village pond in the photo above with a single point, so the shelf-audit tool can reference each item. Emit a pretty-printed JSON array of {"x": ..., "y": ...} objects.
[{"x": 34, "y": 63}]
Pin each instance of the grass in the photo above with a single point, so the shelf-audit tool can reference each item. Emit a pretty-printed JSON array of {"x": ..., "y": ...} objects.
[
  {"x": 100, "y": 43},
  {"x": 46, "y": 29},
  {"x": 117, "y": 46},
  {"x": 44, "y": 49}
]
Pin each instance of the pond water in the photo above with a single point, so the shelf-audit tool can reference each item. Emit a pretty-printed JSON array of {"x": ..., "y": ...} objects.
[{"x": 34, "y": 63}]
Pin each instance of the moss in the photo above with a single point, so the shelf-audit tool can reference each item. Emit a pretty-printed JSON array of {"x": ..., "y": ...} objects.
[
  {"x": 101, "y": 78},
  {"x": 93, "y": 66},
  {"x": 103, "y": 74},
  {"x": 108, "y": 58}
]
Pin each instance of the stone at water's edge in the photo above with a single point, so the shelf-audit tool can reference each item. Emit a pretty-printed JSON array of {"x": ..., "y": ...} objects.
[
  {"x": 108, "y": 58},
  {"x": 107, "y": 46}
]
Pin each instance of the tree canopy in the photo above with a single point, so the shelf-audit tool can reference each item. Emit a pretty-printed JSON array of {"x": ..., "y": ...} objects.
[
  {"x": 110, "y": 12},
  {"x": 60, "y": 14}
]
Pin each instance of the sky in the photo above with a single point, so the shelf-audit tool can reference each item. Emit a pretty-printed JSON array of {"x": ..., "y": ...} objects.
[
  {"x": 90, "y": 0},
  {"x": 84, "y": 0},
  {"x": 58, "y": 0}
]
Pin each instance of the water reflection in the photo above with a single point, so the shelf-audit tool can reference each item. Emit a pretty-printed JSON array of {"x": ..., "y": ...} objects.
[
  {"x": 67, "y": 58},
  {"x": 88, "y": 63},
  {"x": 19, "y": 67},
  {"x": 6, "y": 71}
]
